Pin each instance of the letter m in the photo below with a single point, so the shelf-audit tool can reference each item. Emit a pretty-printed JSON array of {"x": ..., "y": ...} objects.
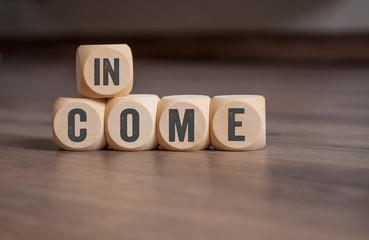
[{"x": 188, "y": 122}]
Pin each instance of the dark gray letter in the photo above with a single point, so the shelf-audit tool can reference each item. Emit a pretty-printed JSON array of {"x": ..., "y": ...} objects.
[
  {"x": 97, "y": 71},
  {"x": 135, "y": 125},
  {"x": 188, "y": 120},
  {"x": 71, "y": 125},
  {"x": 232, "y": 124},
  {"x": 113, "y": 73}
]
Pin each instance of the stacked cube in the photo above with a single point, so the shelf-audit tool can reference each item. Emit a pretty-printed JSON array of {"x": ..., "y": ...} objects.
[{"x": 107, "y": 114}]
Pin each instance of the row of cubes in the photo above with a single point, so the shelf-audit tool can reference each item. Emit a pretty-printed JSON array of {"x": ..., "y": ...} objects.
[{"x": 144, "y": 121}]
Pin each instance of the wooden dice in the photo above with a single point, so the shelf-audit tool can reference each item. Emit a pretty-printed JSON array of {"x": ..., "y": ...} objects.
[
  {"x": 142, "y": 121},
  {"x": 130, "y": 122},
  {"x": 237, "y": 122},
  {"x": 104, "y": 71},
  {"x": 78, "y": 123},
  {"x": 183, "y": 122}
]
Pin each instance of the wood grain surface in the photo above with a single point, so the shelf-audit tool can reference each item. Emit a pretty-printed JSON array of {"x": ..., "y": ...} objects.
[{"x": 310, "y": 182}]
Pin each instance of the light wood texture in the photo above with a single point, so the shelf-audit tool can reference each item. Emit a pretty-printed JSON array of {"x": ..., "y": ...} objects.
[
  {"x": 110, "y": 76},
  {"x": 183, "y": 122},
  {"x": 311, "y": 181},
  {"x": 78, "y": 123},
  {"x": 136, "y": 129},
  {"x": 237, "y": 122}
]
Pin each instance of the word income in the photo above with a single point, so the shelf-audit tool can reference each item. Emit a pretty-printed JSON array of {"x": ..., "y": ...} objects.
[{"x": 107, "y": 114}]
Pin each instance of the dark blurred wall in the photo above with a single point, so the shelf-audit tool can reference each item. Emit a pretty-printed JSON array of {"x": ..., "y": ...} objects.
[{"x": 55, "y": 18}]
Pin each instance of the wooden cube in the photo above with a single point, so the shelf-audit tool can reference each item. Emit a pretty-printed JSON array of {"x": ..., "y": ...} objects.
[
  {"x": 104, "y": 71},
  {"x": 237, "y": 122},
  {"x": 130, "y": 122},
  {"x": 78, "y": 123},
  {"x": 183, "y": 122}
]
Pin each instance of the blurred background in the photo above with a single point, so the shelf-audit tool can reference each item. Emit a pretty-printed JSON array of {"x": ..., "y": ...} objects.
[
  {"x": 308, "y": 58},
  {"x": 255, "y": 30}
]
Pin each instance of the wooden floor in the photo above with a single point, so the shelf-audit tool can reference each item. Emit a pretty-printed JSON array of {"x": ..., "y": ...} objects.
[{"x": 310, "y": 182}]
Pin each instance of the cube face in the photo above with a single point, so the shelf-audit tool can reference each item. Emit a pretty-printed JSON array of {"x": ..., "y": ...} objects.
[
  {"x": 183, "y": 122},
  {"x": 104, "y": 71},
  {"x": 130, "y": 122},
  {"x": 78, "y": 123},
  {"x": 238, "y": 122}
]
